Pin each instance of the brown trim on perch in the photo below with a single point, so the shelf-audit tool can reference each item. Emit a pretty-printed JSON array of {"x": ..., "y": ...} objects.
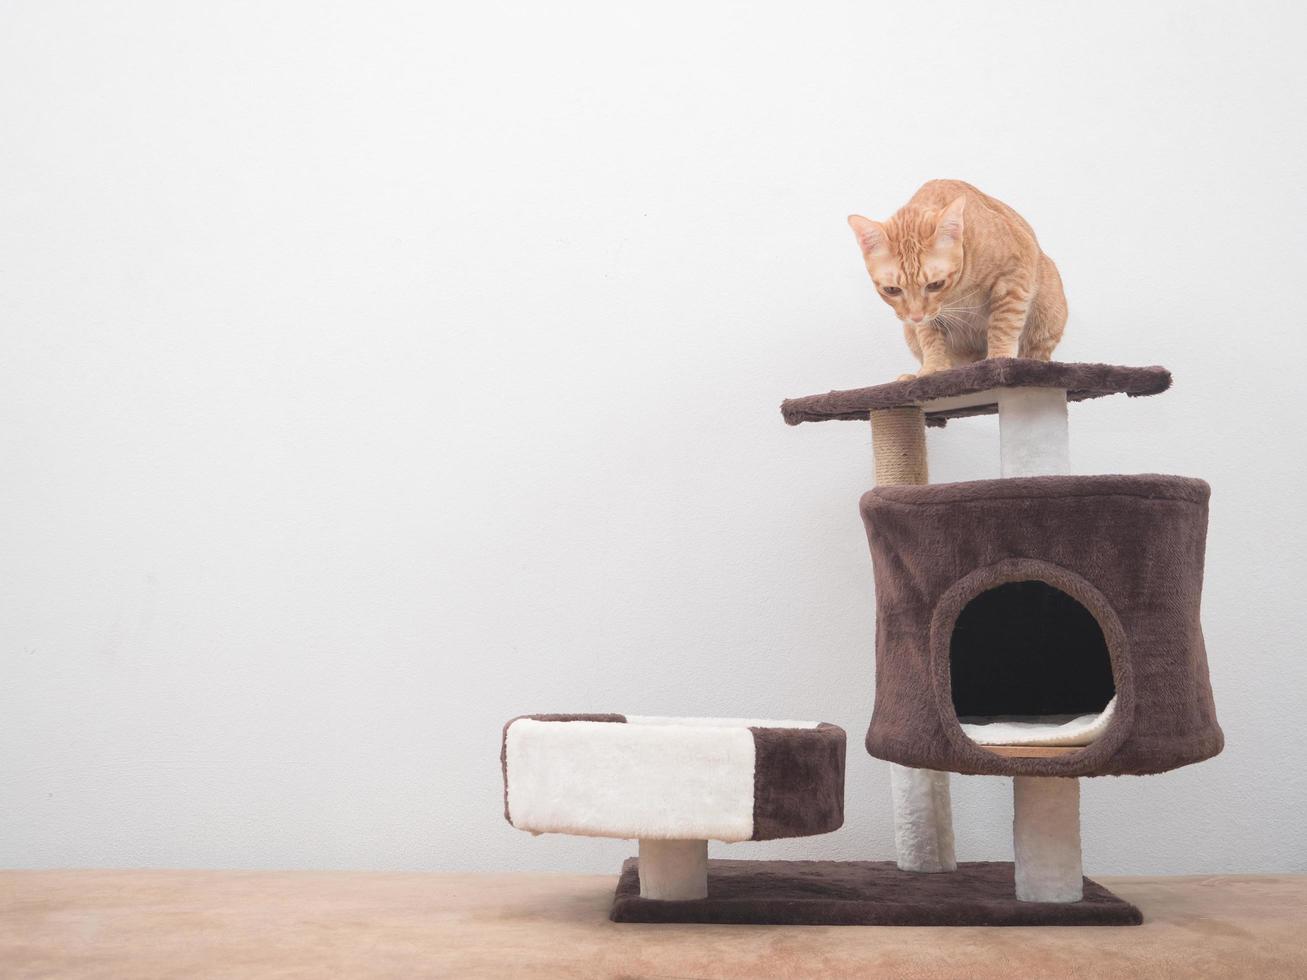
[
  {"x": 798, "y": 781},
  {"x": 1081, "y": 382}
]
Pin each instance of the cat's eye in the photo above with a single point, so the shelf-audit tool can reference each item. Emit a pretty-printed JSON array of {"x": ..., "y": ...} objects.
[
  {"x": 934, "y": 287},
  {"x": 890, "y": 290}
]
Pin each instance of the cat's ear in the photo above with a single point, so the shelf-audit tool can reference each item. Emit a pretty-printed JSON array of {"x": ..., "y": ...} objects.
[
  {"x": 871, "y": 234},
  {"x": 949, "y": 231}
]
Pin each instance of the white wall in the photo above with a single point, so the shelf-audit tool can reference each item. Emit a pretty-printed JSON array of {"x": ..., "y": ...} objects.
[{"x": 373, "y": 373}]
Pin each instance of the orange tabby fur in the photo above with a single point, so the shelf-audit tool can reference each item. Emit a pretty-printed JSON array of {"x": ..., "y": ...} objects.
[{"x": 966, "y": 276}]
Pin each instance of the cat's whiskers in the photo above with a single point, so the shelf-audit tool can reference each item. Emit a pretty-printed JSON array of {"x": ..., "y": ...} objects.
[
  {"x": 953, "y": 311},
  {"x": 948, "y": 323},
  {"x": 968, "y": 295}
]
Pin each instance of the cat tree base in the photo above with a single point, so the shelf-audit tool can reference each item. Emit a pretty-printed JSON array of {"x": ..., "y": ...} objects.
[{"x": 865, "y": 893}]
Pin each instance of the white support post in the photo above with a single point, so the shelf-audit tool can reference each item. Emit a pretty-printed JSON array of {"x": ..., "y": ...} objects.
[
  {"x": 1032, "y": 432},
  {"x": 673, "y": 869},
  {"x": 1034, "y": 441},
  {"x": 1046, "y": 838},
  {"x": 923, "y": 813},
  {"x": 923, "y": 819}
]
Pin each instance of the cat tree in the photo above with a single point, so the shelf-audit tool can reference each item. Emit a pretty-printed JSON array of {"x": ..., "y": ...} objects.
[{"x": 1041, "y": 626}]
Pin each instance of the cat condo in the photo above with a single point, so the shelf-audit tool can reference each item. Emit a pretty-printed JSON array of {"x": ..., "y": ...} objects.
[
  {"x": 1039, "y": 624},
  {"x": 1043, "y": 626}
]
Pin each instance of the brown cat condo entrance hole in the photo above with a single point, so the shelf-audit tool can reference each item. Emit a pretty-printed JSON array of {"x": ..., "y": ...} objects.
[{"x": 1028, "y": 664}]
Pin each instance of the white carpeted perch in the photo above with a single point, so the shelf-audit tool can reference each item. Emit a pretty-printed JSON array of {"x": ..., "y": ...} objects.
[{"x": 673, "y": 784}]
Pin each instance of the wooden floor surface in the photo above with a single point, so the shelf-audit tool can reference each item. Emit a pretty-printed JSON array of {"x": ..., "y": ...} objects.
[{"x": 188, "y": 924}]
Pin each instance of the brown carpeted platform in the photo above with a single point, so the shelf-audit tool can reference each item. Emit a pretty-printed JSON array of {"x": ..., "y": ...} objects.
[
  {"x": 1081, "y": 381},
  {"x": 364, "y": 925},
  {"x": 865, "y": 893}
]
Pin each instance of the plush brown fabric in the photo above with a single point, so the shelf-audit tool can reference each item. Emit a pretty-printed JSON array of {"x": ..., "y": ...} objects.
[
  {"x": 1081, "y": 381},
  {"x": 865, "y": 893},
  {"x": 798, "y": 781},
  {"x": 503, "y": 740},
  {"x": 1127, "y": 548}
]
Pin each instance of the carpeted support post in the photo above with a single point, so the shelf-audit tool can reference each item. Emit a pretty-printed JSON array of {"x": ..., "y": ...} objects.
[
  {"x": 1034, "y": 441},
  {"x": 923, "y": 814},
  {"x": 673, "y": 869},
  {"x": 1046, "y": 838}
]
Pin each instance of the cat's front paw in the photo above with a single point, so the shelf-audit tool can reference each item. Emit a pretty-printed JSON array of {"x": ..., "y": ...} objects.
[{"x": 923, "y": 371}]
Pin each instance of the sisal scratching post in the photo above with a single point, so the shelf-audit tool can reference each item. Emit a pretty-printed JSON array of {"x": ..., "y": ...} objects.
[
  {"x": 898, "y": 446},
  {"x": 923, "y": 814}
]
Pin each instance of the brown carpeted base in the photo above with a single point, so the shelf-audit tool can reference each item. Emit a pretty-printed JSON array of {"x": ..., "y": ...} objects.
[{"x": 865, "y": 893}]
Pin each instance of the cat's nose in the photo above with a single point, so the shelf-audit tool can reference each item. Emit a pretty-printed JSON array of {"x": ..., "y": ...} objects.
[{"x": 916, "y": 318}]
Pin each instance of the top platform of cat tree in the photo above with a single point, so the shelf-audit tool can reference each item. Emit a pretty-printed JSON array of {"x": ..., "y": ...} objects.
[{"x": 972, "y": 389}]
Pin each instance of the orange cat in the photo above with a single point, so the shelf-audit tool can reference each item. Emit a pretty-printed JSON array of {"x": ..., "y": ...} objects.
[{"x": 966, "y": 276}]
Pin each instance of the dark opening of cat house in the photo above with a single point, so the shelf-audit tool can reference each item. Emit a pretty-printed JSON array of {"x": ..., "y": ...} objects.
[{"x": 1028, "y": 649}]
